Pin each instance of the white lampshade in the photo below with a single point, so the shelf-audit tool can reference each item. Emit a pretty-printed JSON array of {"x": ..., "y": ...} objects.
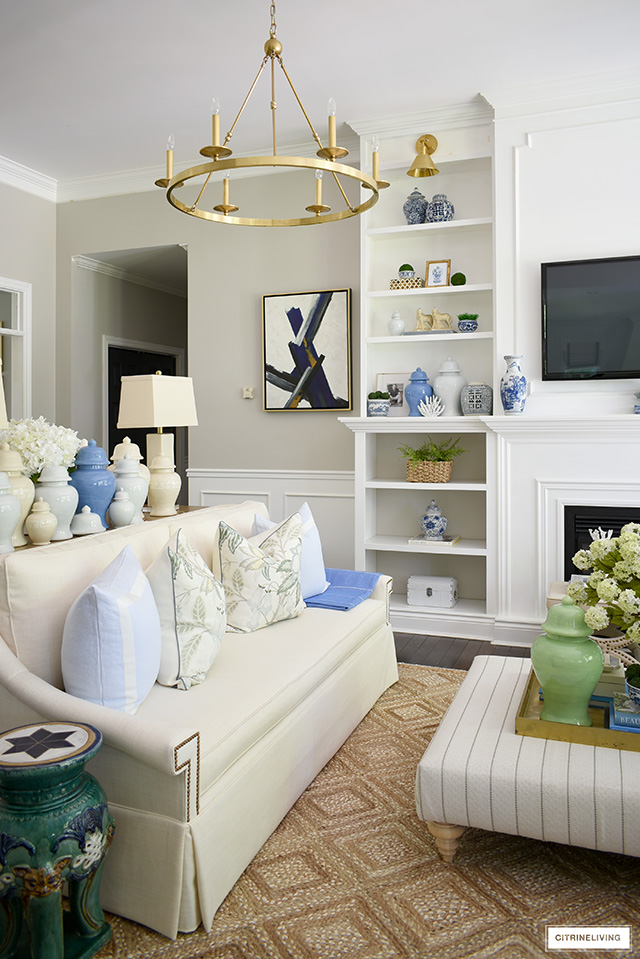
[{"x": 156, "y": 400}]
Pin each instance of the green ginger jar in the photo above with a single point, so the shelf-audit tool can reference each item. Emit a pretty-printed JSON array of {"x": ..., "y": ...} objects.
[{"x": 567, "y": 663}]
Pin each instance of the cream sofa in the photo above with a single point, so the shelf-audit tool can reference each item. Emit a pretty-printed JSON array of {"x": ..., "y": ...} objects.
[{"x": 196, "y": 780}]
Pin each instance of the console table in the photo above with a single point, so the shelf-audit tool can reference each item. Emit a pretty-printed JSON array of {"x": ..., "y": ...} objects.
[
  {"x": 55, "y": 827},
  {"x": 478, "y": 772}
]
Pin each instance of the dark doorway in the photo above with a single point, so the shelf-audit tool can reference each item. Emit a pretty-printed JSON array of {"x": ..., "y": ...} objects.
[{"x": 132, "y": 362}]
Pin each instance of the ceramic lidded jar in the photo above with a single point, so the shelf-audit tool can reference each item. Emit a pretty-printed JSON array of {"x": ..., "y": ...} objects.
[
  {"x": 433, "y": 523},
  {"x": 121, "y": 509},
  {"x": 164, "y": 487},
  {"x": 9, "y": 514},
  {"x": 567, "y": 663},
  {"x": 21, "y": 486},
  {"x": 448, "y": 385},
  {"x": 395, "y": 325},
  {"x": 85, "y": 522},
  {"x": 439, "y": 209},
  {"x": 129, "y": 478},
  {"x": 40, "y": 523},
  {"x": 94, "y": 482},
  {"x": 54, "y": 488},
  {"x": 415, "y": 207},
  {"x": 476, "y": 399},
  {"x": 132, "y": 450},
  {"x": 417, "y": 390}
]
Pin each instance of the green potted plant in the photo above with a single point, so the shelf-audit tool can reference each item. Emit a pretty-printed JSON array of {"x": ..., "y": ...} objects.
[
  {"x": 432, "y": 462},
  {"x": 467, "y": 322},
  {"x": 378, "y": 403}
]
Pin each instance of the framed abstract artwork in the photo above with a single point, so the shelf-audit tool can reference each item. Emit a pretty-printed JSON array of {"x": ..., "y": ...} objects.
[{"x": 306, "y": 343}]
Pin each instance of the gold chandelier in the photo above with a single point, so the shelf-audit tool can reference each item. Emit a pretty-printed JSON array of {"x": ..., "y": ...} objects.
[{"x": 325, "y": 161}]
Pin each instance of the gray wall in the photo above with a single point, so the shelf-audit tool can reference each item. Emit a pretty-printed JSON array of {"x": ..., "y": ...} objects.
[
  {"x": 28, "y": 253},
  {"x": 230, "y": 268}
]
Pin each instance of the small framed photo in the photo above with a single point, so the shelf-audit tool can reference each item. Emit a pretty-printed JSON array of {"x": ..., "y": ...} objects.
[
  {"x": 437, "y": 272},
  {"x": 394, "y": 384}
]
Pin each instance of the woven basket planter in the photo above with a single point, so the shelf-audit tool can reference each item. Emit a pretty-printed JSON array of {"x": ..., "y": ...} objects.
[{"x": 425, "y": 471}]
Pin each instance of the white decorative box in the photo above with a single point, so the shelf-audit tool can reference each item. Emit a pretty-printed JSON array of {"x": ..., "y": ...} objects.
[{"x": 432, "y": 591}]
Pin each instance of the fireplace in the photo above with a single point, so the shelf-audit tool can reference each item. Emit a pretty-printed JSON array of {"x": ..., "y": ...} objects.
[{"x": 578, "y": 520}]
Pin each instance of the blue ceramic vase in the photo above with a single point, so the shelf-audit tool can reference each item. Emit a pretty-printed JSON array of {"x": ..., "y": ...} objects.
[
  {"x": 415, "y": 207},
  {"x": 440, "y": 209},
  {"x": 94, "y": 482},
  {"x": 433, "y": 523},
  {"x": 513, "y": 386},
  {"x": 416, "y": 390}
]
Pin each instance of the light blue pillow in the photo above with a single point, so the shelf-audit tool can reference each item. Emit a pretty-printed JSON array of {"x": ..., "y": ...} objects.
[
  {"x": 111, "y": 641},
  {"x": 312, "y": 577}
]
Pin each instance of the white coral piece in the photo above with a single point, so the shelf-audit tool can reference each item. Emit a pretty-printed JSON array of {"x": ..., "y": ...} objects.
[
  {"x": 432, "y": 406},
  {"x": 599, "y": 533}
]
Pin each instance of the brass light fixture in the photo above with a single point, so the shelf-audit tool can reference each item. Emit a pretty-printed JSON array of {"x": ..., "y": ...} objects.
[
  {"x": 221, "y": 161},
  {"x": 423, "y": 165}
]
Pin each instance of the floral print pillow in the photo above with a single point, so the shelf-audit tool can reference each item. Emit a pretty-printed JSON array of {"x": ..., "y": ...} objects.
[
  {"x": 191, "y": 604},
  {"x": 261, "y": 583}
]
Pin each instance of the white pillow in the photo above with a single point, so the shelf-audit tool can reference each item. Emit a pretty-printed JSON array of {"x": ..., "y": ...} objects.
[
  {"x": 111, "y": 638},
  {"x": 312, "y": 577},
  {"x": 261, "y": 583},
  {"x": 191, "y": 604}
]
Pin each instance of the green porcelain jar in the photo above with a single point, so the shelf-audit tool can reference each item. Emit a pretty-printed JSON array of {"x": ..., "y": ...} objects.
[{"x": 567, "y": 663}]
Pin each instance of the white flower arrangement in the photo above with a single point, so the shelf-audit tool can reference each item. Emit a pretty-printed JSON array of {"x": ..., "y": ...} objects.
[
  {"x": 41, "y": 443},
  {"x": 612, "y": 591}
]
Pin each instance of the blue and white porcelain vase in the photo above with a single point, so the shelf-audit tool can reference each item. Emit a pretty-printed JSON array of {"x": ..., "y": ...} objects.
[
  {"x": 54, "y": 487},
  {"x": 440, "y": 209},
  {"x": 433, "y": 523},
  {"x": 476, "y": 399},
  {"x": 417, "y": 390},
  {"x": 513, "y": 386},
  {"x": 415, "y": 207},
  {"x": 94, "y": 482}
]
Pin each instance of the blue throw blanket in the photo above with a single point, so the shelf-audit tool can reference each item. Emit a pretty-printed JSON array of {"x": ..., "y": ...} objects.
[{"x": 347, "y": 588}]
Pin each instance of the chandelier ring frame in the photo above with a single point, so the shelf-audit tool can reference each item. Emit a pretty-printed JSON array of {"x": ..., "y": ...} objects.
[{"x": 289, "y": 162}]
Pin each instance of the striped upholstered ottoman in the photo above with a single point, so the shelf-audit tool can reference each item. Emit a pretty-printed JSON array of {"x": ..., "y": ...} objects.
[{"x": 478, "y": 772}]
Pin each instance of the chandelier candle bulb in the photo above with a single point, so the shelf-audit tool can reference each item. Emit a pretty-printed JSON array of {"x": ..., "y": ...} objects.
[
  {"x": 331, "y": 110},
  {"x": 319, "y": 187},
  {"x": 170, "y": 145},
  {"x": 215, "y": 121}
]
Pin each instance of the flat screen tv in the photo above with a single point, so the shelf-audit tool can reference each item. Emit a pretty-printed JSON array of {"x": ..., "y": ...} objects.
[{"x": 591, "y": 319}]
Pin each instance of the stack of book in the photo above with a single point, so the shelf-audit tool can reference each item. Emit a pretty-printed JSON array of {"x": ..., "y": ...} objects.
[{"x": 624, "y": 714}]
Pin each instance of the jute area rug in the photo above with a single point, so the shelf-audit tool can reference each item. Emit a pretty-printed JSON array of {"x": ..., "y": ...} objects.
[{"x": 352, "y": 873}]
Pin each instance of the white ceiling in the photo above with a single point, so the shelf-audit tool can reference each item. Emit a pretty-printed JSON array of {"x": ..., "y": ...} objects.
[{"x": 93, "y": 87}]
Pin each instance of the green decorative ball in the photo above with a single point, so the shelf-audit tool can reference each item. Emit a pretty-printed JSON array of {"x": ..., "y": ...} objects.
[
  {"x": 405, "y": 267},
  {"x": 458, "y": 279}
]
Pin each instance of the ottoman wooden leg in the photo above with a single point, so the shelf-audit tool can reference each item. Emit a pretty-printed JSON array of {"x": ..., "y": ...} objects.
[{"x": 446, "y": 837}]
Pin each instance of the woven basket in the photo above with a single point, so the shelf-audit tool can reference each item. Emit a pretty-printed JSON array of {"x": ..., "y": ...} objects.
[{"x": 425, "y": 471}]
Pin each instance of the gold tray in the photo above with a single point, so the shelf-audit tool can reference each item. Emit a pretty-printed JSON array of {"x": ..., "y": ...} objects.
[{"x": 528, "y": 723}]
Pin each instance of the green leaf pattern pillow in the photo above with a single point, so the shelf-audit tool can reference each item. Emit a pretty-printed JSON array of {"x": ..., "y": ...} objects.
[{"x": 261, "y": 583}]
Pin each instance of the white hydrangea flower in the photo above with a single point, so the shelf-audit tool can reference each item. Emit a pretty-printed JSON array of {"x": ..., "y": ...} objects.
[
  {"x": 40, "y": 443},
  {"x": 601, "y": 548},
  {"x": 578, "y": 592},
  {"x": 607, "y": 590},
  {"x": 596, "y": 617},
  {"x": 633, "y": 632},
  {"x": 629, "y": 602},
  {"x": 582, "y": 559},
  {"x": 596, "y": 577},
  {"x": 623, "y": 571}
]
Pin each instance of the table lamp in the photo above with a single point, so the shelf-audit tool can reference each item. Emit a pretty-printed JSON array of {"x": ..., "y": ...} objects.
[{"x": 155, "y": 400}]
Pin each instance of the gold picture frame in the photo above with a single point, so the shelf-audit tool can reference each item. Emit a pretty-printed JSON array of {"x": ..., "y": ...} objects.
[{"x": 437, "y": 273}]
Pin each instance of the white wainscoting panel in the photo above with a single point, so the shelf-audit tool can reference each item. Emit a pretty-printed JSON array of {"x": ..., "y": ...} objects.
[{"x": 330, "y": 495}]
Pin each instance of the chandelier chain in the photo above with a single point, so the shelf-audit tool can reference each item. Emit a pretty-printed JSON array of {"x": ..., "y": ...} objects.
[{"x": 272, "y": 29}]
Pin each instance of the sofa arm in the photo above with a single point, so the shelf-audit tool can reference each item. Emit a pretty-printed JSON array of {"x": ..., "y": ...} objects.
[
  {"x": 160, "y": 746},
  {"x": 382, "y": 591}
]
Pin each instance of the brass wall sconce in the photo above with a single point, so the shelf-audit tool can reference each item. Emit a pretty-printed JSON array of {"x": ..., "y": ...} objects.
[{"x": 423, "y": 165}]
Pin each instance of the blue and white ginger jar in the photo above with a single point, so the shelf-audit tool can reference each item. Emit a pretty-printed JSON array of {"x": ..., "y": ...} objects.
[
  {"x": 513, "y": 386},
  {"x": 440, "y": 209},
  {"x": 415, "y": 207},
  {"x": 433, "y": 523}
]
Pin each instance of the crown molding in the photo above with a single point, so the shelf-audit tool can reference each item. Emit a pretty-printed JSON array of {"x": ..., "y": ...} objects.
[
  {"x": 28, "y": 180},
  {"x": 551, "y": 96},
  {"x": 118, "y": 273},
  {"x": 475, "y": 111}
]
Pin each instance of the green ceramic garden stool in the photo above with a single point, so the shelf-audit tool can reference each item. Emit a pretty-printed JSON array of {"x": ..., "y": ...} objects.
[{"x": 55, "y": 827}]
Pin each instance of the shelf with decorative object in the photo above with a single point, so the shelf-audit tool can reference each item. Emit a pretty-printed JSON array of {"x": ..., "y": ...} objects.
[{"x": 414, "y": 329}]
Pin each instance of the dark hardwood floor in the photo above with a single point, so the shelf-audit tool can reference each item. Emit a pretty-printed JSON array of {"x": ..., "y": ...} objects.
[{"x": 449, "y": 653}]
